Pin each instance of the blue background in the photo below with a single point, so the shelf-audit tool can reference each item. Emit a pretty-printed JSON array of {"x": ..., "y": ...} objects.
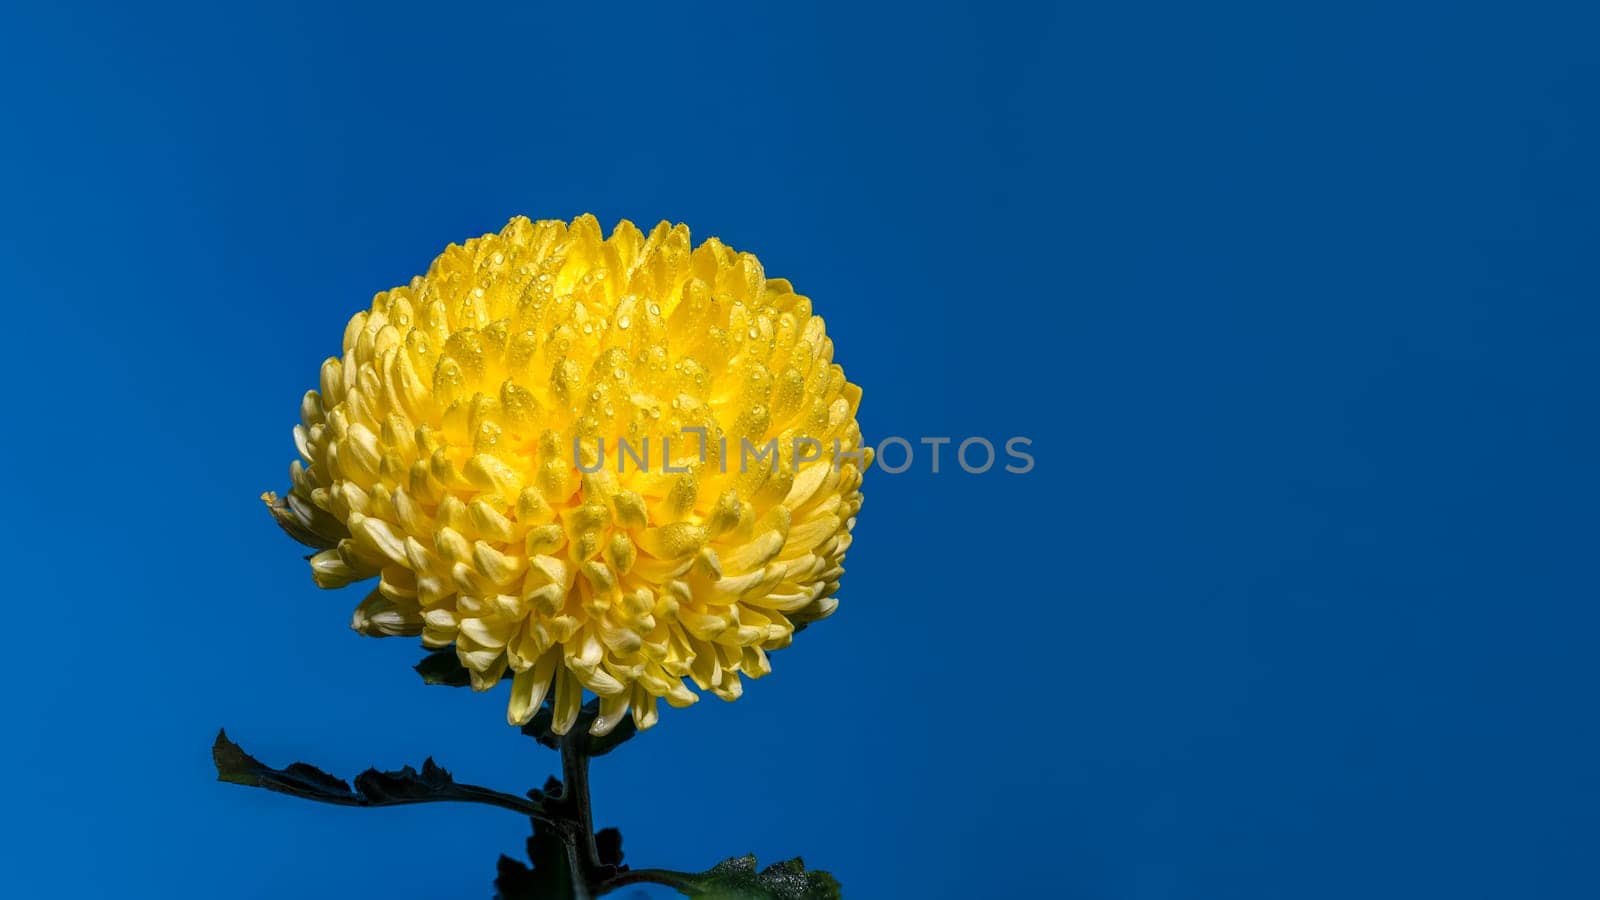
[{"x": 1299, "y": 308}]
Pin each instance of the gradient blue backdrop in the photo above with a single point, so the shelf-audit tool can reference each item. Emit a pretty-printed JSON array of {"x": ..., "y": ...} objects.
[{"x": 1299, "y": 308}]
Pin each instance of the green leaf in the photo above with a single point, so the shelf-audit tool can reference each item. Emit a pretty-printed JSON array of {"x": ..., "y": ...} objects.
[
  {"x": 550, "y": 850},
  {"x": 372, "y": 787},
  {"x": 549, "y": 878},
  {"x": 608, "y": 847},
  {"x": 443, "y": 667},
  {"x": 737, "y": 879}
]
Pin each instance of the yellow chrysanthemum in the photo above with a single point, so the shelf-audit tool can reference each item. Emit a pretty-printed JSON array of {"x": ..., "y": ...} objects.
[{"x": 447, "y": 454}]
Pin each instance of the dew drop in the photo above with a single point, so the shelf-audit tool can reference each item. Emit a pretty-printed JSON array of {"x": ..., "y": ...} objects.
[
  {"x": 655, "y": 310},
  {"x": 623, "y": 323}
]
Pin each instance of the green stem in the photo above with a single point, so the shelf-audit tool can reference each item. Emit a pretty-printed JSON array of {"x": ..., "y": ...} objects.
[
  {"x": 680, "y": 881},
  {"x": 580, "y": 881},
  {"x": 576, "y": 800}
]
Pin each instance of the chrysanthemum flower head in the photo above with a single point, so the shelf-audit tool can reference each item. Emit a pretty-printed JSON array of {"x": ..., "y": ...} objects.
[{"x": 465, "y": 450}]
